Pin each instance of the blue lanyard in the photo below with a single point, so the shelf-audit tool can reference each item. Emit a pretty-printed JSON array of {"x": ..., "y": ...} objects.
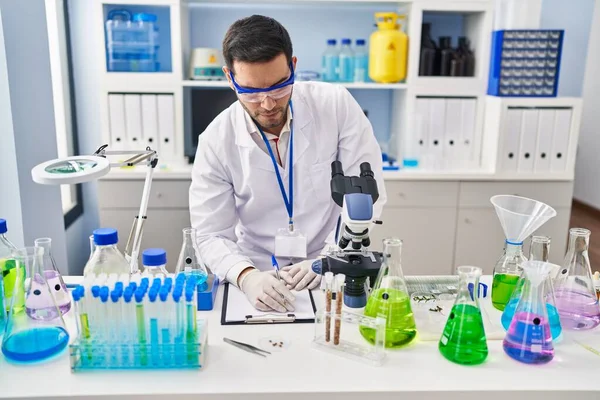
[{"x": 289, "y": 203}]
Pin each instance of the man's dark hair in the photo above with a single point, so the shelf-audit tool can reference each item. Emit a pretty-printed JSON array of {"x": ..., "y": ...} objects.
[{"x": 256, "y": 39}]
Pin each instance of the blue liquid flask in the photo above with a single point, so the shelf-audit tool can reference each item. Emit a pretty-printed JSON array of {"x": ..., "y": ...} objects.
[
  {"x": 529, "y": 339},
  {"x": 330, "y": 62},
  {"x": 361, "y": 61},
  {"x": 346, "y": 71}
]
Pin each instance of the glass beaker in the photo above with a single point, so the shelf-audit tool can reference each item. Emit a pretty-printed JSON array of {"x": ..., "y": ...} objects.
[
  {"x": 576, "y": 298},
  {"x": 27, "y": 339},
  {"x": 53, "y": 277},
  {"x": 154, "y": 262},
  {"x": 189, "y": 261},
  {"x": 519, "y": 217},
  {"x": 463, "y": 340},
  {"x": 389, "y": 299},
  {"x": 8, "y": 266},
  {"x": 539, "y": 250},
  {"x": 106, "y": 258},
  {"x": 507, "y": 273},
  {"x": 529, "y": 338}
]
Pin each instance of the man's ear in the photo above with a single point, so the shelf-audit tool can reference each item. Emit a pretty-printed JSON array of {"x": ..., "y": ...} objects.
[{"x": 226, "y": 72}]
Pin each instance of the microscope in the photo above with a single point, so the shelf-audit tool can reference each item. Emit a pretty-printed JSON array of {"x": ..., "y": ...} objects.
[{"x": 356, "y": 195}]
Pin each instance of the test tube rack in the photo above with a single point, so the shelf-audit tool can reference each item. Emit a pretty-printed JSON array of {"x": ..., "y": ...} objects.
[{"x": 86, "y": 354}]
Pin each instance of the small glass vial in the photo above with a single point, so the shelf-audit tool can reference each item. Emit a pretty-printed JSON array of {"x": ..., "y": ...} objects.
[{"x": 155, "y": 262}]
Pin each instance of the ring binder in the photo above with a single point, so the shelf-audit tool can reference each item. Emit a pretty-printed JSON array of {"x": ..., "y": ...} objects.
[{"x": 270, "y": 319}]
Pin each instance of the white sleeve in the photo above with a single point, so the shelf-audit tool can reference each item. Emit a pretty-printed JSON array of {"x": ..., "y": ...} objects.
[
  {"x": 357, "y": 144},
  {"x": 213, "y": 213}
]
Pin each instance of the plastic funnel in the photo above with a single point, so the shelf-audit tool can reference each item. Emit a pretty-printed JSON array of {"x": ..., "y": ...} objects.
[{"x": 520, "y": 216}]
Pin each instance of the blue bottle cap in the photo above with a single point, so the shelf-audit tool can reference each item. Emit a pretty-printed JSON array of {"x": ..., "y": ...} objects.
[
  {"x": 152, "y": 295},
  {"x": 346, "y": 41},
  {"x": 331, "y": 42},
  {"x": 132, "y": 285},
  {"x": 144, "y": 17},
  {"x": 3, "y": 228},
  {"x": 139, "y": 295},
  {"x": 104, "y": 294},
  {"x": 156, "y": 282},
  {"x": 75, "y": 295},
  {"x": 95, "y": 290},
  {"x": 168, "y": 281},
  {"x": 180, "y": 277},
  {"x": 145, "y": 281},
  {"x": 127, "y": 295},
  {"x": 360, "y": 42},
  {"x": 176, "y": 297},
  {"x": 154, "y": 257},
  {"x": 189, "y": 295},
  {"x": 114, "y": 295},
  {"x": 163, "y": 295},
  {"x": 105, "y": 236}
]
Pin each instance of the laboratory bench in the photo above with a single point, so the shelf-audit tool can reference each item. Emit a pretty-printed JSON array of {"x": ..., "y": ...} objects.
[
  {"x": 451, "y": 213},
  {"x": 418, "y": 371}
]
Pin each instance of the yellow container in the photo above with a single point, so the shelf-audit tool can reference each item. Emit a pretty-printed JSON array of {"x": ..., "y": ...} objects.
[{"x": 388, "y": 49}]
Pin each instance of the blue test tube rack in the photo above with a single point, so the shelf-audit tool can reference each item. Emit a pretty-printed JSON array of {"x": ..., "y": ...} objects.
[{"x": 206, "y": 297}]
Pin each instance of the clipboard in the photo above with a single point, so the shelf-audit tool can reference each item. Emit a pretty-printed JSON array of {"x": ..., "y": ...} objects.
[{"x": 262, "y": 317}]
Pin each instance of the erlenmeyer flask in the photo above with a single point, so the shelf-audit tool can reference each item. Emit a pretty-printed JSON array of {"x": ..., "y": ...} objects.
[
  {"x": 519, "y": 217},
  {"x": 389, "y": 299},
  {"x": 463, "y": 340},
  {"x": 27, "y": 339},
  {"x": 529, "y": 338},
  {"x": 8, "y": 267},
  {"x": 538, "y": 251},
  {"x": 576, "y": 298},
  {"x": 54, "y": 279},
  {"x": 189, "y": 260}
]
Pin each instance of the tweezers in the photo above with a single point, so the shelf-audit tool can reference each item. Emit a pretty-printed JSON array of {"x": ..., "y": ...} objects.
[{"x": 247, "y": 347}]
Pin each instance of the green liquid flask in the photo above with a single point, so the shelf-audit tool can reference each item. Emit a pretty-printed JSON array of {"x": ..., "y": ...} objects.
[
  {"x": 463, "y": 340},
  {"x": 389, "y": 299}
]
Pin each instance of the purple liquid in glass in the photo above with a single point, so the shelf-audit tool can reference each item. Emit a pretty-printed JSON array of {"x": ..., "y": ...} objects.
[
  {"x": 577, "y": 310},
  {"x": 38, "y": 303},
  {"x": 529, "y": 339}
]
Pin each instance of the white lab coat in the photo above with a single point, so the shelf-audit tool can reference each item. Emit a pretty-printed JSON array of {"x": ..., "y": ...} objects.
[{"x": 235, "y": 201}]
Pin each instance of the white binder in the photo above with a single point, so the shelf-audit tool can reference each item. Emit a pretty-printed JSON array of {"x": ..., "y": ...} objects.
[
  {"x": 421, "y": 128},
  {"x": 150, "y": 120},
  {"x": 133, "y": 121},
  {"x": 116, "y": 118},
  {"x": 512, "y": 134},
  {"x": 166, "y": 127},
  {"x": 560, "y": 141},
  {"x": 470, "y": 144},
  {"x": 452, "y": 133},
  {"x": 529, "y": 132},
  {"x": 437, "y": 120},
  {"x": 543, "y": 152}
]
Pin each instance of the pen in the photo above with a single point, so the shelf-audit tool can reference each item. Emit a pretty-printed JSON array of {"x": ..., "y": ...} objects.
[{"x": 276, "y": 266}]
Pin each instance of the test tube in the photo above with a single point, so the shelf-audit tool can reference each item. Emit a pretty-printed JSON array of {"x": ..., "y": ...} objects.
[
  {"x": 178, "y": 323},
  {"x": 105, "y": 317},
  {"x": 114, "y": 323},
  {"x": 165, "y": 325},
  {"x": 153, "y": 314},
  {"x": 126, "y": 333},
  {"x": 339, "y": 299},
  {"x": 190, "y": 332},
  {"x": 328, "y": 287},
  {"x": 141, "y": 326}
]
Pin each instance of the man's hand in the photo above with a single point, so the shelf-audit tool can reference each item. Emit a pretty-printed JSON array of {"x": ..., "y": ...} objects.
[
  {"x": 300, "y": 276},
  {"x": 266, "y": 292}
]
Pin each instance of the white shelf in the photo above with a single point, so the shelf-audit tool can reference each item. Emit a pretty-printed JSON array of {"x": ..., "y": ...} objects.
[{"x": 369, "y": 85}]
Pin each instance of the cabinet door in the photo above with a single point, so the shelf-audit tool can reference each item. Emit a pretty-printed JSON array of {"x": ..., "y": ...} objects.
[
  {"x": 162, "y": 229},
  {"x": 427, "y": 235},
  {"x": 480, "y": 238}
]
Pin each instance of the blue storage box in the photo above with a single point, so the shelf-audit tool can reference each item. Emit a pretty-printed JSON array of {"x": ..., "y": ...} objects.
[
  {"x": 525, "y": 63},
  {"x": 206, "y": 297}
]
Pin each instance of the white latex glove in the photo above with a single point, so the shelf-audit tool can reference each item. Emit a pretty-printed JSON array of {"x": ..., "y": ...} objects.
[
  {"x": 267, "y": 293},
  {"x": 300, "y": 276}
]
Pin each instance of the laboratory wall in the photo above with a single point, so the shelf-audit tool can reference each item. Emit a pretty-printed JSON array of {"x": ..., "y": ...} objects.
[
  {"x": 30, "y": 87},
  {"x": 587, "y": 189},
  {"x": 10, "y": 202},
  {"x": 575, "y": 17}
]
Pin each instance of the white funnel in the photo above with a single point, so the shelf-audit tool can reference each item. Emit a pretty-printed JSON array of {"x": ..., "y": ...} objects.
[{"x": 520, "y": 216}]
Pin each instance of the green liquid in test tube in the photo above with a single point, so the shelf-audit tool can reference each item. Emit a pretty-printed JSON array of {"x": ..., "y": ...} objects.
[{"x": 141, "y": 328}]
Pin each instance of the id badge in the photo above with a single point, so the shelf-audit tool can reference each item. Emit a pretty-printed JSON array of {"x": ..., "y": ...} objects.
[{"x": 290, "y": 244}]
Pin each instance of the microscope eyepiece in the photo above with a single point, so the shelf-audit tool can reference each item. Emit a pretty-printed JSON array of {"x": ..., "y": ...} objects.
[
  {"x": 336, "y": 169},
  {"x": 365, "y": 170}
]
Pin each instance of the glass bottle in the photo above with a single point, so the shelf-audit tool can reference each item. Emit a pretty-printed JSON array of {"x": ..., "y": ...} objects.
[
  {"x": 361, "y": 61},
  {"x": 8, "y": 267},
  {"x": 346, "y": 62},
  {"x": 155, "y": 262},
  {"x": 106, "y": 258},
  {"x": 529, "y": 338},
  {"x": 463, "y": 340},
  {"x": 28, "y": 338},
  {"x": 389, "y": 299},
  {"x": 53, "y": 277},
  {"x": 430, "y": 53},
  {"x": 576, "y": 298},
  {"x": 92, "y": 247},
  {"x": 330, "y": 62},
  {"x": 507, "y": 273},
  {"x": 189, "y": 261},
  {"x": 539, "y": 250}
]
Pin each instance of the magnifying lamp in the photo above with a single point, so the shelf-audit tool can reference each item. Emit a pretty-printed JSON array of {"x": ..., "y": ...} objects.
[{"x": 79, "y": 169}]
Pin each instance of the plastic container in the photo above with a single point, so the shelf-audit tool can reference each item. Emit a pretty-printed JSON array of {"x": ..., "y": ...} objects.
[
  {"x": 346, "y": 71},
  {"x": 330, "y": 62},
  {"x": 388, "y": 50},
  {"x": 8, "y": 267},
  {"x": 155, "y": 262},
  {"x": 361, "y": 61},
  {"x": 132, "y": 42},
  {"x": 106, "y": 258}
]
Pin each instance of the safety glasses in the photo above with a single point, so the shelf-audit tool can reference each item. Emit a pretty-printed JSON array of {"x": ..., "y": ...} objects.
[{"x": 275, "y": 92}]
